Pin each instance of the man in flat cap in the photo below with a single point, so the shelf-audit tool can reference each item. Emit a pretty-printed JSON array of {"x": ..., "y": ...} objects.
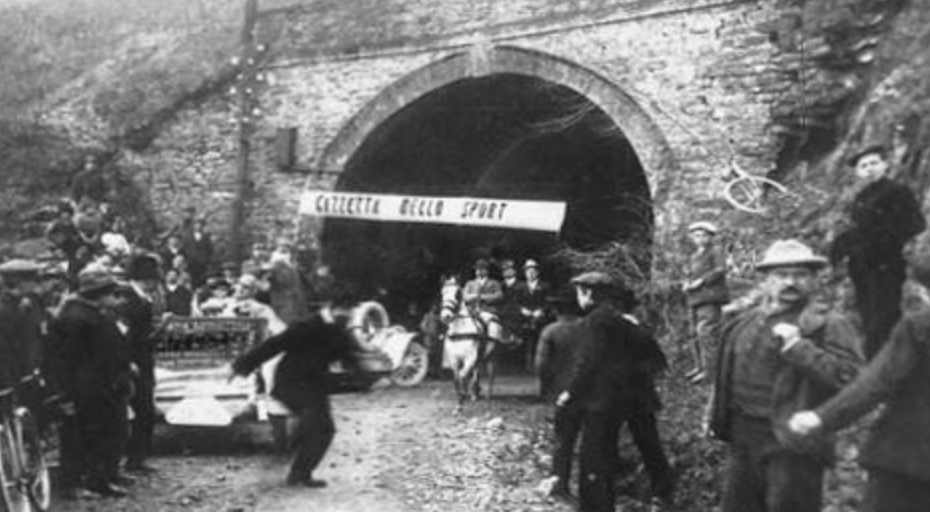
[
  {"x": 707, "y": 293},
  {"x": 21, "y": 318},
  {"x": 884, "y": 216},
  {"x": 87, "y": 364},
  {"x": 788, "y": 353},
  {"x": 611, "y": 383}
]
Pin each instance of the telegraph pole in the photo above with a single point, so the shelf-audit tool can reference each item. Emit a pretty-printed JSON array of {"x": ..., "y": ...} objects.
[{"x": 245, "y": 114}]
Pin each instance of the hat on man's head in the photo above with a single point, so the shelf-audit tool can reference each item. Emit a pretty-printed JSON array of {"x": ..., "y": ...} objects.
[
  {"x": 877, "y": 149},
  {"x": 703, "y": 225},
  {"x": 507, "y": 264},
  {"x": 482, "y": 263},
  {"x": 530, "y": 264},
  {"x": 593, "y": 279},
  {"x": 20, "y": 268},
  {"x": 95, "y": 280},
  {"x": 790, "y": 253},
  {"x": 144, "y": 267}
]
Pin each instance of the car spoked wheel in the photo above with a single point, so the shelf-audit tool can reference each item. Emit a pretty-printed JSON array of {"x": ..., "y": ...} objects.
[{"x": 413, "y": 367}]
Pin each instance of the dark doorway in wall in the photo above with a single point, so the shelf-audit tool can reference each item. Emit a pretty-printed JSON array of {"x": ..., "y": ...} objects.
[{"x": 505, "y": 136}]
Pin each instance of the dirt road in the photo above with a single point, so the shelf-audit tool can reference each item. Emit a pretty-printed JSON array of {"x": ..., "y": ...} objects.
[{"x": 395, "y": 450}]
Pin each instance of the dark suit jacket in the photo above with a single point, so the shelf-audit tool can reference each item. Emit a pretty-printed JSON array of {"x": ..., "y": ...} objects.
[
  {"x": 139, "y": 315},
  {"x": 616, "y": 364},
  {"x": 711, "y": 267},
  {"x": 556, "y": 354},
  {"x": 531, "y": 299},
  {"x": 309, "y": 345},
  {"x": 899, "y": 376},
  {"x": 826, "y": 359},
  {"x": 86, "y": 355},
  {"x": 885, "y": 215}
]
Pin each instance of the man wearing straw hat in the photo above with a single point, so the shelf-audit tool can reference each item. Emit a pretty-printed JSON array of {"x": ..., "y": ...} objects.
[{"x": 786, "y": 354}]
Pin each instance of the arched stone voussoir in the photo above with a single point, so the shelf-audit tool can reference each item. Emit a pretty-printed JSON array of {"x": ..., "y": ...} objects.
[{"x": 631, "y": 117}]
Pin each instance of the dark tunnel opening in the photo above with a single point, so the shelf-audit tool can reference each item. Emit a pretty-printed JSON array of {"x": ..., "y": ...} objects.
[{"x": 502, "y": 136}]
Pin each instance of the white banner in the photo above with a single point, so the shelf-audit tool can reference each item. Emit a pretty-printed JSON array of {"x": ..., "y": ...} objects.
[{"x": 462, "y": 211}]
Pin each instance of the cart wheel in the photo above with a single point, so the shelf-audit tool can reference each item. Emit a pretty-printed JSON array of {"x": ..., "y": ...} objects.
[{"x": 413, "y": 368}]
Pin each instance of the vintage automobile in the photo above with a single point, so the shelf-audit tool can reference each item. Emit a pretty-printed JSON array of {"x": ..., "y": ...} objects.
[{"x": 194, "y": 353}]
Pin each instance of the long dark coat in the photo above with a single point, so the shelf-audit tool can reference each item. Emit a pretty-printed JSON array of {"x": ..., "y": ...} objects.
[
  {"x": 309, "y": 345},
  {"x": 616, "y": 364},
  {"x": 86, "y": 354},
  {"x": 885, "y": 215},
  {"x": 20, "y": 337}
]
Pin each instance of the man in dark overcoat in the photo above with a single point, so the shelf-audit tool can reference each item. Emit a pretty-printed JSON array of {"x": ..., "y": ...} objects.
[
  {"x": 612, "y": 384},
  {"x": 87, "y": 364},
  {"x": 884, "y": 216},
  {"x": 309, "y": 346},
  {"x": 142, "y": 306}
]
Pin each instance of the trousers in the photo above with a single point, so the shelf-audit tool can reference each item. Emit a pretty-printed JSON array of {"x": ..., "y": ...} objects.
[
  {"x": 102, "y": 430},
  {"x": 313, "y": 435},
  {"x": 142, "y": 426},
  {"x": 763, "y": 477},
  {"x": 567, "y": 428}
]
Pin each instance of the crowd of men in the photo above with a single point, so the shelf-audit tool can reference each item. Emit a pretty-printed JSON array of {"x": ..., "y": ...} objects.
[
  {"x": 88, "y": 319},
  {"x": 786, "y": 369}
]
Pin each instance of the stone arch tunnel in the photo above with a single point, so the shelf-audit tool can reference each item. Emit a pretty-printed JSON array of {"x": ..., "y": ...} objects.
[{"x": 503, "y": 135}]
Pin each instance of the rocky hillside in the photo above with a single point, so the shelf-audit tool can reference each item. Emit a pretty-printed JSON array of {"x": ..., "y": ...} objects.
[
  {"x": 100, "y": 77},
  {"x": 863, "y": 79}
]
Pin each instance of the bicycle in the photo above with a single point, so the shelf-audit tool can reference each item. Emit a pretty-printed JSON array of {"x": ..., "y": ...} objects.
[
  {"x": 25, "y": 481},
  {"x": 749, "y": 193}
]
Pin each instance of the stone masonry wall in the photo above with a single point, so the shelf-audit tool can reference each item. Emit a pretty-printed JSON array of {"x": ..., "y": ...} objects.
[
  {"x": 715, "y": 76},
  {"x": 708, "y": 77}
]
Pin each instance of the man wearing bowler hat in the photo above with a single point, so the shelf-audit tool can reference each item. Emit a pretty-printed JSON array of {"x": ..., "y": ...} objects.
[
  {"x": 884, "y": 216},
  {"x": 87, "y": 363},
  {"x": 786, "y": 354},
  {"x": 531, "y": 298},
  {"x": 610, "y": 384}
]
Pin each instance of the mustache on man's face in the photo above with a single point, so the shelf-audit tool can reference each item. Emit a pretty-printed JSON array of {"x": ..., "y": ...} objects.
[{"x": 793, "y": 289}]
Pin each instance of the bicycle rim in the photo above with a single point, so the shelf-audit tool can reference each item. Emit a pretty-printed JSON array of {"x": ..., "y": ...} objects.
[
  {"x": 35, "y": 469},
  {"x": 13, "y": 495}
]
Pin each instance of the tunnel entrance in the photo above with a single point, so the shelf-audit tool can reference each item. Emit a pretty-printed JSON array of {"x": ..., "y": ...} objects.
[{"x": 498, "y": 136}]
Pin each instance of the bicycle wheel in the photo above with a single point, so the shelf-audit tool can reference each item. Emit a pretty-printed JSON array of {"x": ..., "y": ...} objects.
[
  {"x": 13, "y": 495},
  {"x": 37, "y": 478}
]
